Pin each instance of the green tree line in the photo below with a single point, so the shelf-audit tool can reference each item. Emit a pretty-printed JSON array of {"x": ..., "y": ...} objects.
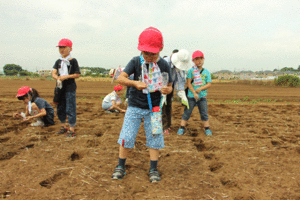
[{"x": 13, "y": 70}]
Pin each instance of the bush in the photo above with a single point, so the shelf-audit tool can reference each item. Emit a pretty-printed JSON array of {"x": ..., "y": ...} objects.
[
  {"x": 288, "y": 80},
  {"x": 213, "y": 76}
]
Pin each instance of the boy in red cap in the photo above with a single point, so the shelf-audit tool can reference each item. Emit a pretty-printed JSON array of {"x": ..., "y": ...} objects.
[
  {"x": 65, "y": 71},
  {"x": 36, "y": 107},
  {"x": 112, "y": 101},
  {"x": 198, "y": 81},
  {"x": 146, "y": 90}
]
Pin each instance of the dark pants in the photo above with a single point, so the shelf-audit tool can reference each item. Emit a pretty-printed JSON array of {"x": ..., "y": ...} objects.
[
  {"x": 167, "y": 111},
  {"x": 67, "y": 107},
  {"x": 48, "y": 118}
]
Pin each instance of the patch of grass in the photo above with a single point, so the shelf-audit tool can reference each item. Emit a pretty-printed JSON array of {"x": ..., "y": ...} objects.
[
  {"x": 246, "y": 98},
  {"x": 267, "y": 100}
]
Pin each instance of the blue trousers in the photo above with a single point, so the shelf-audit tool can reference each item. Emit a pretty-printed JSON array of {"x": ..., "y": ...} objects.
[
  {"x": 202, "y": 106},
  {"x": 67, "y": 107}
]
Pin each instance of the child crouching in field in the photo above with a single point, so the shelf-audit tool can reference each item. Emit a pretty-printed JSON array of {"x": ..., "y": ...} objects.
[
  {"x": 112, "y": 102},
  {"x": 198, "y": 81},
  {"x": 36, "y": 107},
  {"x": 146, "y": 90}
]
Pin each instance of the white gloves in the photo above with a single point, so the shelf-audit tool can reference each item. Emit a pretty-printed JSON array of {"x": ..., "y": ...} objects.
[{"x": 184, "y": 100}]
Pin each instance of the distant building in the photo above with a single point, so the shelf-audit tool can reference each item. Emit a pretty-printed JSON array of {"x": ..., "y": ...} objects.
[
  {"x": 45, "y": 72},
  {"x": 84, "y": 71}
]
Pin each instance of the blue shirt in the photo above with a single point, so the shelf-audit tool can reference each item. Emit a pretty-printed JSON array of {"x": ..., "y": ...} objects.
[
  {"x": 206, "y": 78},
  {"x": 42, "y": 103}
]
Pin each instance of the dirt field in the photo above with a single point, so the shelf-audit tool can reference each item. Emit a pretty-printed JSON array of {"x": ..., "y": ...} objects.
[{"x": 254, "y": 152}]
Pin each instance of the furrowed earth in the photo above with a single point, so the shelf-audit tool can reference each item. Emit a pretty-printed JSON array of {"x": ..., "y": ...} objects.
[{"x": 254, "y": 152}]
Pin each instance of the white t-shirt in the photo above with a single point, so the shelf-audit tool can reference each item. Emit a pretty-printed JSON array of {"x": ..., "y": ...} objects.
[{"x": 112, "y": 97}]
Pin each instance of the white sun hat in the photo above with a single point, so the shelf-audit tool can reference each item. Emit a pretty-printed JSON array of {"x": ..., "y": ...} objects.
[{"x": 182, "y": 60}]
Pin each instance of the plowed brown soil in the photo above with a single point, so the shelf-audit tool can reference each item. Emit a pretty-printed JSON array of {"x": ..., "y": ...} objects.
[{"x": 254, "y": 152}]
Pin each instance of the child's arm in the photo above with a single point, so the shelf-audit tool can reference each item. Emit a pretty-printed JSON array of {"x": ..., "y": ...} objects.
[
  {"x": 204, "y": 87},
  {"x": 115, "y": 106},
  {"x": 62, "y": 78},
  {"x": 54, "y": 74},
  {"x": 123, "y": 79},
  {"x": 190, "y": 86},
  {"x": 41, "y": 114}
]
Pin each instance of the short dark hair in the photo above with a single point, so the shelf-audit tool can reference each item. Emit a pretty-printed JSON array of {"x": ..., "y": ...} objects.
[{"x": 175, "y": 51}]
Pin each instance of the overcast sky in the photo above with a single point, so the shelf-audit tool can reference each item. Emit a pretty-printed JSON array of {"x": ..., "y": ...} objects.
[{"x": 233, "y": 34}]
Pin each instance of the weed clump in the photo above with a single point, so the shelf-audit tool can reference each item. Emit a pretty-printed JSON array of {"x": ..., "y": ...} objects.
[{"x": 288, "y": 81}]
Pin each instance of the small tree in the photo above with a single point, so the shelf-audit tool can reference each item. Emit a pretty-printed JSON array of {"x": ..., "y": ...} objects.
[
  {"x": 12, "y": 69},
  {"x": 288, "y": 80}
]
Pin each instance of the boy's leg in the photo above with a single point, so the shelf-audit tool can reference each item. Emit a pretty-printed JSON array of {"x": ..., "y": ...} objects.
[
  {"x": 202, "y": 106},
  {"x": 186, "y": 115},
  {"x": 61, "y": 114},
  {"x": 130, "y": 128},
  {"x": 154, "y": 142},
  {"x": 123, "y": 152},
  {"x": 61, "y": 110},
  {"x": 71, "y": 109}
]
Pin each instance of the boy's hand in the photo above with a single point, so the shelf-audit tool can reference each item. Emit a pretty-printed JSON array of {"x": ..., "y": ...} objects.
[
  {"x": 123, "y": 111},
  {"x": 166, "y": 90},
  {"x": 140, "y": 85},
  {"x": 196, "y": 96},
  {"x": 199, "y": 90},
  {"x": 62, "y": 78}
]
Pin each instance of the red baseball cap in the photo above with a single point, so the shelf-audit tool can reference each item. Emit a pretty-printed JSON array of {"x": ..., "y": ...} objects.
[
  {"x": 65, "y": 43},
  {"x": 150, "y": 40},
  {"x": 197, "y": 54},
  {"x": 23, "y": 90},
  {"x": 118, "y": 87}
]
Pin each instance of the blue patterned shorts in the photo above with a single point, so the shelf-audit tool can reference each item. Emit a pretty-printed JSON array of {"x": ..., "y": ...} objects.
[{"x": 131, "y": 126}]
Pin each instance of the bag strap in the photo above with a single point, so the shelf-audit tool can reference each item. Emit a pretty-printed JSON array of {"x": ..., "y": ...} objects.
[{"x": 149, "y": 101}]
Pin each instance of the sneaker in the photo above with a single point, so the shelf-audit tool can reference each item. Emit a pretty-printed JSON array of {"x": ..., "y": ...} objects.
[
  {"x": 38, "y": 123},
  {"x": 208, "y": 132},
  {"x": 180, "y": 131},
  {"x": 63, "y": 130},
  {"x": 118, "y": 174},
  {"x": 71, "y": 134},
  {"x": 154, "y": 175}
]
